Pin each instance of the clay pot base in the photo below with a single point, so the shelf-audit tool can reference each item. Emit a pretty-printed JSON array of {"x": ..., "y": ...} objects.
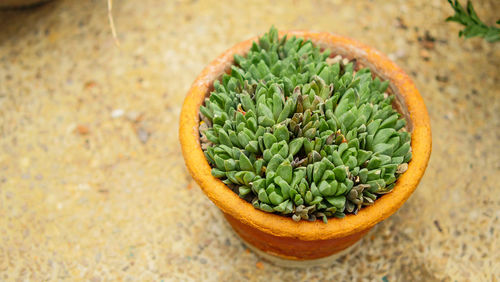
[
  {"x": 276, "y": 260},
  {"x": 287, "y": 263}
]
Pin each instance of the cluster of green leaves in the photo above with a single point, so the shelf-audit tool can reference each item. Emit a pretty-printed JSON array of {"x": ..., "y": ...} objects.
[
  {"x": 296, "y": 134},
  {"x": 473, "y": 25}
]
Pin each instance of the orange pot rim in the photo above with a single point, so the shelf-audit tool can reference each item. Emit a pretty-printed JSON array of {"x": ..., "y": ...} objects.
[{"x": 230, "y": 203}]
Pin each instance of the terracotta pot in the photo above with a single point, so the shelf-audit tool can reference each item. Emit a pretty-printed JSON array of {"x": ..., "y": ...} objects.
[{"x": 281, "y": 236}]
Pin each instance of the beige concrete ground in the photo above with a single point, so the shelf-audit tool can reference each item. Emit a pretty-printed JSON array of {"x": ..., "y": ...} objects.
[{"x": 93, "y": 184}]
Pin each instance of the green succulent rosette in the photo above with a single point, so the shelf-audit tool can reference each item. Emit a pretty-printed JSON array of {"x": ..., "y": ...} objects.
[{"x": 296, "y": 132}]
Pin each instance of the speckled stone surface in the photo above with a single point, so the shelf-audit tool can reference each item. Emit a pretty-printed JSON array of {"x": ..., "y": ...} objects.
[{"x": 93, "y": 185}]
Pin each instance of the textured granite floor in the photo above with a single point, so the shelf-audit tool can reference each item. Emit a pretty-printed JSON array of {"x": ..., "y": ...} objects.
[{"x": 93, "y": 184}]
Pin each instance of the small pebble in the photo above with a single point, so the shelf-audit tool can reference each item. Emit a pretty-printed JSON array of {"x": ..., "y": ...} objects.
[
  {"x": 82, "y": 129},
  {"x": 83, "y": 186},
  {"x": 117, "y": 113},
  {"x": 425, "y": 54},
  {"x": 400, "y": 53},
  {"x": 134, "y": 116},
  {"x": 400, "y": 23},
  {"x": 89, "y": 84},
  {"x": 142, "y": 134}
]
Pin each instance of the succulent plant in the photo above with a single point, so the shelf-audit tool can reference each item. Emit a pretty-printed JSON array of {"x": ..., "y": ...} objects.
[{"x": 296, "y": 132}]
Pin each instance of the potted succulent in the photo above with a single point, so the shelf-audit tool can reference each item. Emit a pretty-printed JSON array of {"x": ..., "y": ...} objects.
[{"x": 304, "y": 140}]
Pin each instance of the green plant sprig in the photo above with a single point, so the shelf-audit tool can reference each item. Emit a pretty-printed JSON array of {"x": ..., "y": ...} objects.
[
  {"x": 295, "y": 132},
  {"x": 473, "y": 25}
]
